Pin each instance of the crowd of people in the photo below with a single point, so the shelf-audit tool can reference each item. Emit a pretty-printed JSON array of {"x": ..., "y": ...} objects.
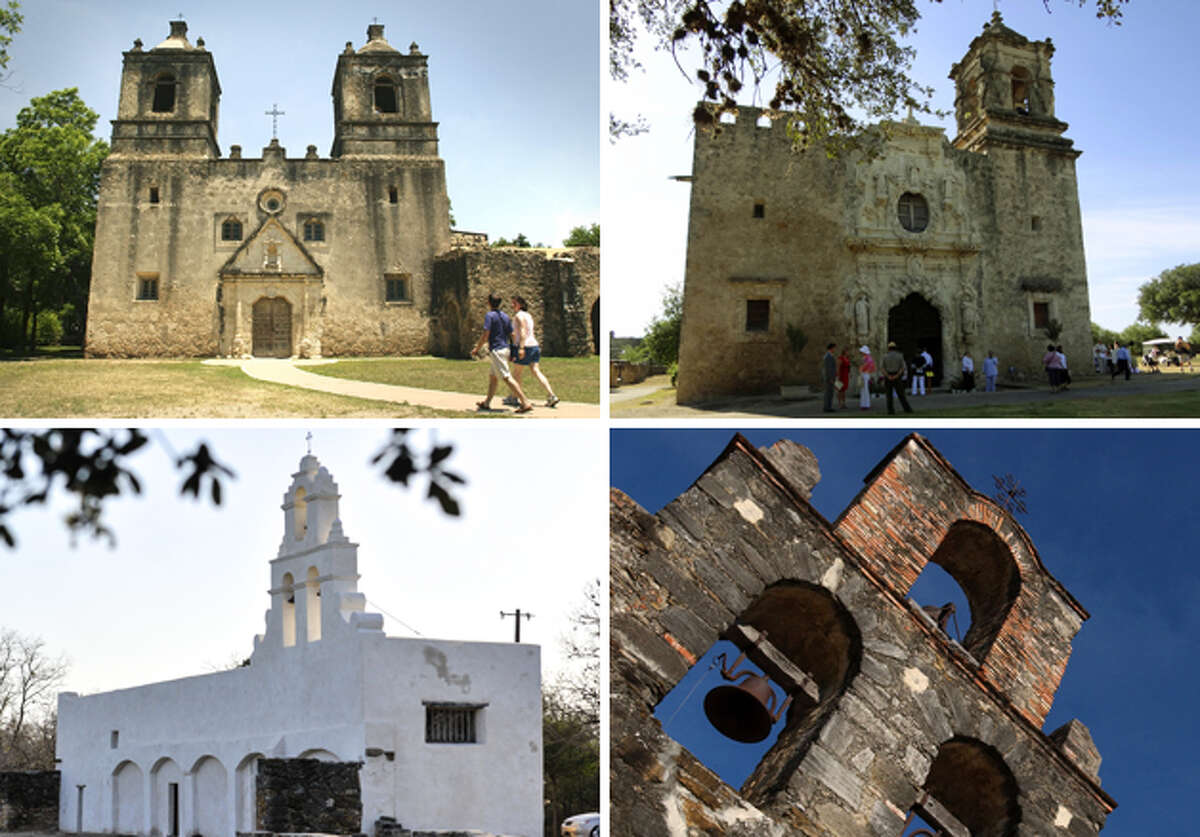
[{"x": 894, "y": 375}]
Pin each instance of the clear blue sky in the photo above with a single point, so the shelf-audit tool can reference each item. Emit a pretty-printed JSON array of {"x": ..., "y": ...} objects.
[
  {"x": 1112, "y": 514},
  {"x": 513, "y": 86},
  {"x": 1125, "y": 91},
  {"x": 184, "y": 589}
]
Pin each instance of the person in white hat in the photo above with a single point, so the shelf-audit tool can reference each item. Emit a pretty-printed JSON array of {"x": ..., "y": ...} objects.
[{"x": 866, "y": 367}]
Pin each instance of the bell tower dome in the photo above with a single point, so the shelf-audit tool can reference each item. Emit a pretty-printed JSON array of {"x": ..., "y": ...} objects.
[
  {"x": 1004, "y": 93},
  {"x": 170, "y": 96},
  {"x": 381, "y": 101}
]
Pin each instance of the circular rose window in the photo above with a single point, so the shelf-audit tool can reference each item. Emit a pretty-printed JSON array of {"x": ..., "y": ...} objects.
[
  {"x": 271, "y": 201},
  {"x": 914, "y": 212}
]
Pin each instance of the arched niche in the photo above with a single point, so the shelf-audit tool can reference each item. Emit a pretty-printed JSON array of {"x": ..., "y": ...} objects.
[
  {"x": 289, "y": 610},
  {"x": 164, "y": 93},
  {"x": 127, "y": 805},
  {"x": 245, "y": 777},
  {"x": 210, "y": 788},
  {"x": 983, "y": 565},
  {"x": 313, "y": 592}
]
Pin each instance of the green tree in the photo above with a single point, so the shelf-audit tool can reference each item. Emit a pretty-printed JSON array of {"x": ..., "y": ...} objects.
[
  {"x": 10, "y": 24},
  {"x": 661, "y": 341},
  {"x": 583, "y": 237},
  {"x": 519, "y": 241},
  {"x": 50, "y": 166},
  {"x": 833, "y": 59},
  {"x": 1174, "y": 296},
  {"x": 1100, "y": 334},
  {"x": 1137, "y": 333}
]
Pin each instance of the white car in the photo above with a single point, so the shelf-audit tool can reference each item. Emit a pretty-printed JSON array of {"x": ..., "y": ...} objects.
[{"x": 581, "y": 825}]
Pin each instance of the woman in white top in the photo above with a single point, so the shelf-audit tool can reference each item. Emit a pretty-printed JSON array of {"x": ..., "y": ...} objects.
[{"x": 528, "y": 353}]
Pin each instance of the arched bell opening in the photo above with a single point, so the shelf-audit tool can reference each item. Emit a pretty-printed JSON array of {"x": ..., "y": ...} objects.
[
  {"x": 984, "y": 568},
  {"x": 786, "y": 659},
  {"x": 969, "y": 787}
]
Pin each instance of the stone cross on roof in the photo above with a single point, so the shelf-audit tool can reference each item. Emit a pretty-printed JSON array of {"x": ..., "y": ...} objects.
[{"x": 275, "y": 113}]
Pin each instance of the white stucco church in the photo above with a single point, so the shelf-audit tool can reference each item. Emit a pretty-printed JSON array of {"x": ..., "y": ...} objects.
[{"x": 449, "y": 733}]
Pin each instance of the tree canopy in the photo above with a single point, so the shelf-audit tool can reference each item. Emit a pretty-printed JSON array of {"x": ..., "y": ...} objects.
[
  {"x": 49, "y": 185},
  {"x": 661, "y": 341},
  {"x": 1174, "y": 296},
  {"x": 10, "y": 24},
  {"x": 582, "y": 236},
  {"x": 826, "y": 58}
]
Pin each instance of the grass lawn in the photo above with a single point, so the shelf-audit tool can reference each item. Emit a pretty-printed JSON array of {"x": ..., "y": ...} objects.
[
  {"x": 573, "y": 378},
  {"x": 53, "y": 388}
]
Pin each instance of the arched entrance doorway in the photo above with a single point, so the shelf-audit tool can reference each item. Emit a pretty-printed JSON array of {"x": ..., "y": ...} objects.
[
  {"x": 915, "y": 324},
  {"x": 272, "y": 327}
]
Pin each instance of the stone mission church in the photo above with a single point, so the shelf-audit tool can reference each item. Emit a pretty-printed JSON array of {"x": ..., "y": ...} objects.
[
  {"x": 971, "y": 246},
  {"x": 438, "y": 735},
  {"x": 352, "y": 254}
]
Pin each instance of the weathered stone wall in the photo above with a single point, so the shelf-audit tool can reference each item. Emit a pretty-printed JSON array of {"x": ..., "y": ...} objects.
[
  {"x": 308, "y": 796},
  {"x": 29, "y": 800},
  {"x": 561, "y": 286},
  {"x": 741, "y": 533},
  {"x": 821, "y": 243},
  {"x": 179, "y": 239}
]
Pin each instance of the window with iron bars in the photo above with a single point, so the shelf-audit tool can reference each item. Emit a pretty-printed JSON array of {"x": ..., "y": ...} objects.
[{"x": 451, "y": 723}]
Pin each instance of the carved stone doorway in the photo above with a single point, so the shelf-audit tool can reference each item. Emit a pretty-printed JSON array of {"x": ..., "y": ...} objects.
[
  {"x": 915, "y": 324},
  {"x": 272, "y": 327}
]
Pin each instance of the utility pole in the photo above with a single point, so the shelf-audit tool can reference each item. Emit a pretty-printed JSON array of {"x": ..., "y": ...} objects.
[{"x": 517, "y": 614}]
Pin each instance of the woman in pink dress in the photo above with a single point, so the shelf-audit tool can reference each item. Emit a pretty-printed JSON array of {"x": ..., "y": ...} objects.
[{"x": 843, "y": 376}]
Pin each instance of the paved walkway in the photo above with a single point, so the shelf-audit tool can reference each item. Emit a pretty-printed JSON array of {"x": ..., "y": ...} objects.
[
  {"x": 287, "y": 371},
  {"x": 810, "y": 405}
]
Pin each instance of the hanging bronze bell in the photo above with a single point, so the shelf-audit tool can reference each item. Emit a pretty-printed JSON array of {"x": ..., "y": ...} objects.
[{"x": 742, "y": 712}]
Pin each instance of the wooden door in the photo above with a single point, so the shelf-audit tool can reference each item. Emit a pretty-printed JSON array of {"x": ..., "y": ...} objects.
[{"x": 272, "y": 327}]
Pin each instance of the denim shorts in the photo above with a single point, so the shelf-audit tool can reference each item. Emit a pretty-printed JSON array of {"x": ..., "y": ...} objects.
[{"x": 533, "y": 354}]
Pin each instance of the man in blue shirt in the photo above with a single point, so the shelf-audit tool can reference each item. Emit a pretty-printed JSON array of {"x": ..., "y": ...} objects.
[{"x": 497, "y": 334}]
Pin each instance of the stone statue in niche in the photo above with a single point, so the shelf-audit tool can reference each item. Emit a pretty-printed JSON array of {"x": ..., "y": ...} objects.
[
  {"x": 862, "y": 317},
  {"x": 969, "y": 315}
]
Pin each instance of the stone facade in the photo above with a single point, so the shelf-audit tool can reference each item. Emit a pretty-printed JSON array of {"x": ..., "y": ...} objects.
[
  {"x": 201, "y": 255},
  {"x": 965, "y": 246},
  {"x": 29, "y": 800},
  {"x": 902, "y": 717},
  {"x": 307, "y": 796}
]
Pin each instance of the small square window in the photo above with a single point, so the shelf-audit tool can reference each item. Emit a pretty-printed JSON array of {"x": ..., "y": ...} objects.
[
  {"x": 450, "y": 724},
  {"x": 760, "y": 210},
  {"x": 231, "y": 230},
  {"x": 153, "y": 194},
  {"x": 758, "y": 314},
  {"x": 147, "y": 286},
  {"x": 393, "y": 195},
  {"x": 1041, "y": 314},
  {"x": 397, "y": 288},
  {"x": 1035, "y": 223}
]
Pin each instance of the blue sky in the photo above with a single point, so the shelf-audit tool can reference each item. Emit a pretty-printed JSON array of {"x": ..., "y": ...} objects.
[
  {"x": 513, "y": 86},
  {"x": 1112, "y": 514},
  {"x": 184, "y": 589},
  {"x": 1125, "y": 92}
]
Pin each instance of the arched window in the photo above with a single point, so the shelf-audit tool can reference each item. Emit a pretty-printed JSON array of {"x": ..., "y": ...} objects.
[
  {"x": 300, "y": 515},
  {"x": 164, "y": 93},
  {"x": 231, "y": 230},
  {"x": 313, "y": 605},
  {"x": 314, "y": 230},
  {"x": 385, "y": 95},
  {"x": 1020, "y": 90},
  {"x": 289, "y": 610}
]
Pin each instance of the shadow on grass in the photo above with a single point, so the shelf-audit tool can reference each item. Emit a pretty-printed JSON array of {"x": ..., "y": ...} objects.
[{"x": 57, "y": 352}]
